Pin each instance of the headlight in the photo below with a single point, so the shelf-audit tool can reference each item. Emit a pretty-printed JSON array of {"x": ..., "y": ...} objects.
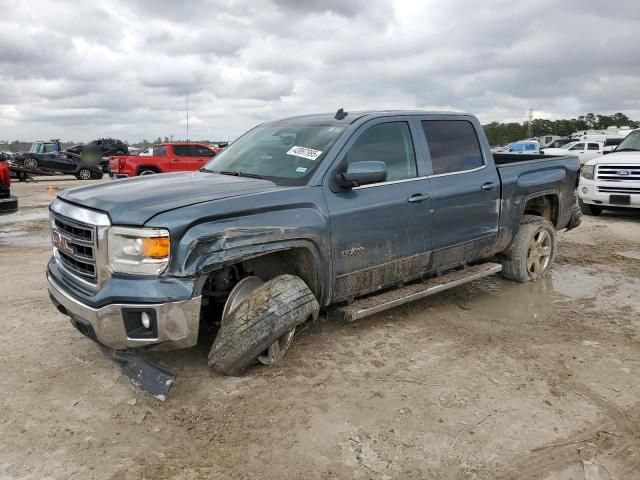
[
  {"x": 142, "y": 251},
  {"x": 587, "y": 171}
]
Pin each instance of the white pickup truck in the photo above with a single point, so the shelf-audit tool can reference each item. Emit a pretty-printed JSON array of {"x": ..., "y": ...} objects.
[
  {"x": 612, "y": 180},
  {"x": 584, "y": 150}
]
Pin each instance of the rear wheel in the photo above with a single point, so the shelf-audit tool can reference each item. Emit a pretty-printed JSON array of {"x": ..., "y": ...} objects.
[
  {"x": 532, "y": 251},
  {"x": 147, "y": 171},
  {"x": 259, "y": 322},
  {"x": 84, "y": 174},
  {"x": 30, "y": 163},
  {"x": 589, "y": 209}
]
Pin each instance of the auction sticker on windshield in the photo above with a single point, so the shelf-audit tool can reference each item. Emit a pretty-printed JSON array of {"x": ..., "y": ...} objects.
[{"x": 304, "y": 152}]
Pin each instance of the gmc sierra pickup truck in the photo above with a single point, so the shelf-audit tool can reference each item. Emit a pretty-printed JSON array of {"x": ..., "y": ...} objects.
[
  {"x": 168, "y": 157},
  {"x": 349, "y": 213}
]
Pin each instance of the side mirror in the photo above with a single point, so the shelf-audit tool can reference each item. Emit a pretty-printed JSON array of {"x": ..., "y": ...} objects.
[{"x": 362, "y": 173}]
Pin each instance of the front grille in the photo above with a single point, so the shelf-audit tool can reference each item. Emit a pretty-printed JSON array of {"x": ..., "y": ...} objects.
[
  {"x": 75, "y": 245},
  {"x": 627, "y": 190},
  {"x": 618, "y": 173}
]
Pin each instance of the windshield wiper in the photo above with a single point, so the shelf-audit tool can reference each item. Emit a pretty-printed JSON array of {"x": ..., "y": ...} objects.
[{"x": 238, "y": 173}]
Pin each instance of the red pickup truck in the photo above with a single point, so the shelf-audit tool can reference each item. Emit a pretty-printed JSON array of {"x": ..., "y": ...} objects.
[{"x": 167, "y": 157}]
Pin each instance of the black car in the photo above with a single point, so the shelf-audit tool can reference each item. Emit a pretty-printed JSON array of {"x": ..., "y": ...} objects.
[{"x": 48, "y": 157}]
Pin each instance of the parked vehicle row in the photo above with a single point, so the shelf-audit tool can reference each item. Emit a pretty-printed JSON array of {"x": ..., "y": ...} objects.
[
  {"x": 296, "y": 215},
  {"x": 49, "y": 157}
]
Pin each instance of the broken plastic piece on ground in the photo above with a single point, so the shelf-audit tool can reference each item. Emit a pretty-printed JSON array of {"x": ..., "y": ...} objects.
[{"x": 142, "y": 373}]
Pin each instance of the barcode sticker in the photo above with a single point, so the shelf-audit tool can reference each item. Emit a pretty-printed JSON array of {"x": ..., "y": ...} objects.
[{"x": 304, "y": 152}]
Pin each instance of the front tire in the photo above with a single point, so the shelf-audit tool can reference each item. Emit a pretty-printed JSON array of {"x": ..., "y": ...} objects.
[
  {"x": 589, "y": 209},
  {"x": 532, "y": 251},
  {"x": 84, "y": 174},
  {"x": 259, "y": 320}
]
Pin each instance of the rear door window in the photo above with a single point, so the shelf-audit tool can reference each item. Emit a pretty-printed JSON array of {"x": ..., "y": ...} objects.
[
  {"x": 160, "y": 151},
  {"x": 453, "y": 145},
  {"x": 182, "y": 150}
]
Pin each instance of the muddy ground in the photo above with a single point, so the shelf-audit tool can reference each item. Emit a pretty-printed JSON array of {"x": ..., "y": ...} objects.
[{"x": 493, "y": 380}]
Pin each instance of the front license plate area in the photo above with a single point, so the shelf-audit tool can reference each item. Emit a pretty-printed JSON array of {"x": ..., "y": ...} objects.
[{"x": 620, "y": 199}]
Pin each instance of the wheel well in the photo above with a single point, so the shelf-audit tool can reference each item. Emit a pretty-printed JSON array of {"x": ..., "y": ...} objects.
[
  {"x": 147, "y": 167},
  {"x": 297, "y": 261},
  {"x": 545, "y": 206}
]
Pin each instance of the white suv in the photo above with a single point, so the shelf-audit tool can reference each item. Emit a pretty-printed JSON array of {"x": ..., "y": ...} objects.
[{"x": 612, "y": 180}]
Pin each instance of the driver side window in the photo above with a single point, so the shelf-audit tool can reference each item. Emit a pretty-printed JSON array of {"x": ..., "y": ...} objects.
[{"x": 390, "y": 143}]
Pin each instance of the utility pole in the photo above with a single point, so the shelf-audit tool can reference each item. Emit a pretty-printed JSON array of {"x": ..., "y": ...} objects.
[
  {"x": 530, "y": 125},
  {"x": 187, "y": 115}
]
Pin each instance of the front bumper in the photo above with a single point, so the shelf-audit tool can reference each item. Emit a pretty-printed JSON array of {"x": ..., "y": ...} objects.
[
  {"x": 588, "y": 193},
  {"x": 176, "y": 323}
]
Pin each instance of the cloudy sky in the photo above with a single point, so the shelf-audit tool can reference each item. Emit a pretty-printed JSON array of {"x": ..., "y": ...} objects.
[{"x": 84, "y": 69}]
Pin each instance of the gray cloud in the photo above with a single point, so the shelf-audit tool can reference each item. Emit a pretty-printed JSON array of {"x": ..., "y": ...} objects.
[{"x": 79, "y": 70}]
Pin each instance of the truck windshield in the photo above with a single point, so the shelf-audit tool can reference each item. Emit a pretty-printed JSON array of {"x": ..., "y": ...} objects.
[
  {"x": 631, "y": 142},
  {"x": 285, "y": 153}
]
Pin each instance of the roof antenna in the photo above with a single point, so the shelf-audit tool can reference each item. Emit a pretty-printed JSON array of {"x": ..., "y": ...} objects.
[{"x": 341, "y": 114}]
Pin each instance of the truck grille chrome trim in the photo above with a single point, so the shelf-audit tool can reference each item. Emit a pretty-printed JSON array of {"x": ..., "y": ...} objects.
[
  {"x": 74, "y": 247},
  {"x": 618, "y": 173},
  {"x": 77, "y": 235}
]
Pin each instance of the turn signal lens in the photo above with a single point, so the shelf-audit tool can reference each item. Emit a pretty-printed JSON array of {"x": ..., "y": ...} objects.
[{"x": 155, "y": 247}]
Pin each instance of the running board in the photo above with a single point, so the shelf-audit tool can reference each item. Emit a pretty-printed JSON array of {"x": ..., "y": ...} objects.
[{"x": 379, "y": 302}]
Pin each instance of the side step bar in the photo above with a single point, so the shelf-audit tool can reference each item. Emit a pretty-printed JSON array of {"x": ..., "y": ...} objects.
[{"x": 379, "y": 302}]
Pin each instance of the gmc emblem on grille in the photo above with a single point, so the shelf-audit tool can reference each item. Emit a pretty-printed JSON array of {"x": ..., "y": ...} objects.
[
  {"x": 61, "y": 242},
  {"x": 623, "y": 172}
]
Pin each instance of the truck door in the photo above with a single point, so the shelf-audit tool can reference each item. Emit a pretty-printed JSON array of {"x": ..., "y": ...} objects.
[
  {"x": 181, "y": 158},
  {"x": 380, "y": 233},
  {"x": 466, "y": 192}
]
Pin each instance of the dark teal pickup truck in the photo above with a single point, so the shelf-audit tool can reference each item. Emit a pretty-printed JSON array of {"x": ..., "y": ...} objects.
[{"x": 350, "y": 213}]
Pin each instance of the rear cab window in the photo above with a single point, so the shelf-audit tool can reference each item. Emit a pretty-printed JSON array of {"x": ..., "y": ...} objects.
[{"x": 453, "y": 146}]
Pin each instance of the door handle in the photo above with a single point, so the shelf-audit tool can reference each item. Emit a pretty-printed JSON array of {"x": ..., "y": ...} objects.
[
  {"x": 417, "y": 198},
  {"x": 487, "y": 187}
]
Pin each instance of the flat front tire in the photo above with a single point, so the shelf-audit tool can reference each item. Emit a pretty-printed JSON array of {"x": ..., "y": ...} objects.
[
  {"x": 259, "y": 322},
  {"x": 532, "y": 251}
]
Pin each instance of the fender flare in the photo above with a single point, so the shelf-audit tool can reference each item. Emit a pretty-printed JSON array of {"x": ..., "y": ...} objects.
[{"x": 214, "y": 260}]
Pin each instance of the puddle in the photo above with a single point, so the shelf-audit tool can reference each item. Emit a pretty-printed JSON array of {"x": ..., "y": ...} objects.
[
  {"x": 22, "y": 238},
  {"x": 634, "y": 254},
  {"x": 23, "y": 217},
  {"x": 579, "y": 282}
]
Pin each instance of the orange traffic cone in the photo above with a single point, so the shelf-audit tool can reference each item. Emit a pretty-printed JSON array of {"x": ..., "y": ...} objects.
[{"x": 50, "y": 189}]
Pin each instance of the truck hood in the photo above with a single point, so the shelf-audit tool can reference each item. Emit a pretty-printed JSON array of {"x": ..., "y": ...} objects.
[
  {"x": 617, "y": 158},
  {"x": 135, "y": 201}
]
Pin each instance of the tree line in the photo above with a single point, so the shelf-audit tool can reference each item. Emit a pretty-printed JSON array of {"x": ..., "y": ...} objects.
[{"x": 503, "y": 133}]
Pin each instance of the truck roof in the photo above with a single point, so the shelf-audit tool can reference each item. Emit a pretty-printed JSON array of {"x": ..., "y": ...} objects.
[{"x": 351, "y": 117}]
